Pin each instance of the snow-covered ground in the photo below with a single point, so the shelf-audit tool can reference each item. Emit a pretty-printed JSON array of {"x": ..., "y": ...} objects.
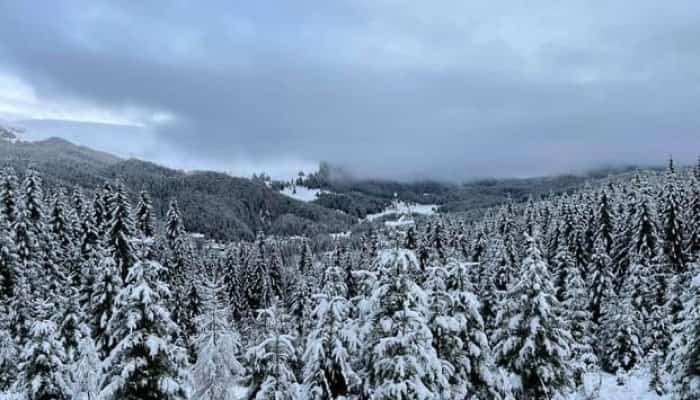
[
  {"x": 340, "y": 235},
  {"x": 401, "y": 207},
  {"x": 635, "y": 388},
  {"x": 402, "y": 221},
  {"x": 301, "y": 193}
]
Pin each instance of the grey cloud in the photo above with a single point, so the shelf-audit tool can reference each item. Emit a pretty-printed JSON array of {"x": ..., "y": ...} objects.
[{"x": 445, "y": 92}]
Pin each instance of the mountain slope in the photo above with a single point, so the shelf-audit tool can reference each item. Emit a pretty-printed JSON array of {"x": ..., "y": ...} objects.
[{"x": 221, "y": 206}]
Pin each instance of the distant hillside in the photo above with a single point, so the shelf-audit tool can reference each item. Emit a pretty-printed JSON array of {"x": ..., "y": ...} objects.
[
  {"x": 221, "y": 206},
  {"x": 360, "y": 197},
  {"x": 226, "y": 208}
]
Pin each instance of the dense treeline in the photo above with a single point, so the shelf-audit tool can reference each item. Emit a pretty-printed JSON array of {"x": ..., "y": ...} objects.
[{"x": 99, "y": 298}]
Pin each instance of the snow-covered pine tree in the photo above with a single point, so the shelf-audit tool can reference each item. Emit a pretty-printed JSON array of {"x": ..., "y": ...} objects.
[
  {"x": 9, "y": 262},
  {"x": 532, "y": 340},
  {"x": 192, "y": 309},
  {"x": 438, "y": 317},
  {"x": 174, "y": 228},
  {"x": 257, "y": 279},
  {"x": 276, "y": 270},
  {"x": 70, "y": 330},
  {"x": 144, "y": 215},
  {"x": 91, "y": 254},
  {"x": 301, "y": 307},
  {"x": 623, "y": 326},
  {"x": 86, "y": 371},
  {"x": 602, "y": 285},
  {"x": 693, "y": 243},
  {"x": 672, "y": 277},
  {"x": 574, "y": 301},
  {"x": 33, "y": 203},
  {"x": 102, "y": 302},
  {"x": 624, "y": 236},
  {"x": 466, "y": 347},
  {"x": 562, "y": 264},
  {"x": 423, "y": 251},
  {"x": 8, "y": 195},
  {"x": 686, "y": 348},
  {"x": 217, "y": 370},
  {"x": 100, "y": 214},
  {"x": 8, "y": 355},
  {"x": 491, "y": 280},
  {"x": 411, "y": 240},
  {"x": 77, "y": 200},
  {"x": 402, "y": 363},
  {"x": 42, "y": 372},
  {"x": 120, "y": 231},
  {"x": 605, "y": 221},
  {"x": 438, "y": 245},
  {"x": 271, "y": 376},
  {"x": 61, "y": 227},
  {"x": 327, "y": 359},
  {"x": 234, "y": 278},
  {"x": 144, "y": 363}
]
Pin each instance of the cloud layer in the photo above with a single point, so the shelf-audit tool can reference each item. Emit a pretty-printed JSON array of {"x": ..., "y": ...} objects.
[{"x": 386, "y": 88}]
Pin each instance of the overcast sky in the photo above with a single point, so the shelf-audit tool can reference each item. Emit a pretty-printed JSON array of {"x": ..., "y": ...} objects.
[{"x": 407, "y": 89}]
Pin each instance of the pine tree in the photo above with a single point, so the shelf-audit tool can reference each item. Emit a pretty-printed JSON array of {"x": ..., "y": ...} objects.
[
  {"x": 86, "y": 371},
  {"x": 602, "y": 284},
  {"x": 411, "y": 241},
  {"x": 8, "y": 195},
  {"x": 578, "y": 319},
  {"x": 673, "y": 242},
  {"x": 624, "y": 241},
  {"x": 174, "y": 228},
  {"x": 328, "y": 370},
  {"x": 623, "y": 326},
  {"x": 276, "y": 270},
  {"x": 144, "y": 215},
  {"x": 301, "y": 307},
  {"x": 120, "y": 230},
  {"x": 466, "y": 347},
  {"x": 693, "y": 244},
  {"x": 605, "y": 221},
  {"x": 145, "y": 363},
  {"x": 493, "y": 282},
  {"x": 62, "y": 239},
  {"x": 9, "y": 263},
  {"x": 100, "y": 214},
  {"x": 70, "y": 330},
  {"x": 532, "y": 341},
  {"x": 402, "y": 362},
  {"x": 191, "y": 312},
  {"x": 8, "y": 355},
  {"x": 33, "y": 201},
  {"x": 271, "y": 376},
  {"x": 102, "y": 302},
  {"x": 217, "y": 369},
  {"x": 257, "y": 286},
  {"x": 42, "y": 373},
  {"x": 686, "y": 356}
]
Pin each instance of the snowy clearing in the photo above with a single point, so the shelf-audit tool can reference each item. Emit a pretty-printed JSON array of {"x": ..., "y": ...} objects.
[
  {"x": 402, "y": 221},
  {"x": 301, "y": 193},
  {"x": 636, "y": 388},
  {"x": 404, "y": 208}
]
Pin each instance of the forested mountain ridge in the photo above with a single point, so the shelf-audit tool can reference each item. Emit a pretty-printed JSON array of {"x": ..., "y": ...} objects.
[
  {"x": 221, "y": 206},
  {"x": 227, "y": 208}
]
